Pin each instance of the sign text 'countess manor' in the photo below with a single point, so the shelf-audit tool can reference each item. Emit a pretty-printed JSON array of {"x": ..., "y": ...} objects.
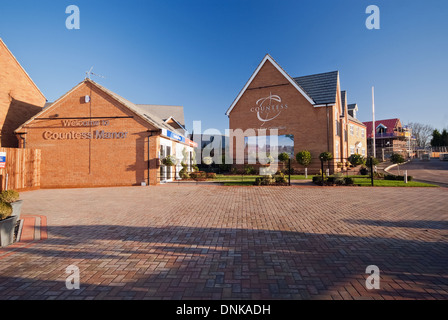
[{"x": 73, "y": 135}]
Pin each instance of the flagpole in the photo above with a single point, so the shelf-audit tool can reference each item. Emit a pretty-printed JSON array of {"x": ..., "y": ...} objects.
[{"x": 373, "y": 123}]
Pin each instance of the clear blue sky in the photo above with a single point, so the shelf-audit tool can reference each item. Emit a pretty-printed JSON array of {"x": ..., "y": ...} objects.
[{"x": 199, "y": 54}]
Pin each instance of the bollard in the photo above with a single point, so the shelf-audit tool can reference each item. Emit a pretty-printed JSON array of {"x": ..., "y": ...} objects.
[{"x": 405, "y": 176}]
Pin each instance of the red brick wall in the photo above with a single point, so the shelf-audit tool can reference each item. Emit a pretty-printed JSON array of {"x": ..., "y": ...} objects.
[
  {"x": 308, "y": 124},
  {"x": 92, "y": 162},
  {"x": 20, "y": 99}
]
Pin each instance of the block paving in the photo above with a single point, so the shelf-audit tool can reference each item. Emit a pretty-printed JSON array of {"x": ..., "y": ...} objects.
[{"x": 214, "y": 242}]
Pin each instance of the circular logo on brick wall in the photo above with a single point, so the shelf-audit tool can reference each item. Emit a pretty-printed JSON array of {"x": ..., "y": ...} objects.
[{"x": 269, "y": 108}]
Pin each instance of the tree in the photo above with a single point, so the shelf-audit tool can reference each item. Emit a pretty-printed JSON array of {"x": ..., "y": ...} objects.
[
  {"x": 444, "y": 138},
  {"x": 397, "y": 159},
  {"x": 326, "y": 156},
  {"x": 283, "y": 157},
  {"x": 304, "y": 158},
  {"x": 357, "y": 159},
  {"x": 421, "y": 132},
  {"x": 436, "y": 140}
]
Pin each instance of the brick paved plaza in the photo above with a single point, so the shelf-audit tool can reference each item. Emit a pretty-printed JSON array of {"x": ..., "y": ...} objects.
[{"x": 213, "y": 242}]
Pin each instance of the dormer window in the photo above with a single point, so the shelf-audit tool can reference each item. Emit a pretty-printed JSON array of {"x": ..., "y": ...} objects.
[{"x": 381, "y": 129}]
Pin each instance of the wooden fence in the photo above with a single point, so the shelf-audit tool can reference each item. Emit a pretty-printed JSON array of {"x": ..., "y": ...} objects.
[{"x": 22, "y": 169}]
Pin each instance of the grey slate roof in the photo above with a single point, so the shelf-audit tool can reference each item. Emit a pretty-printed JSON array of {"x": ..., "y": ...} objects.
[
  {"x": 142, "y": 112},
  {"x": 165, "y": 112},
  {"x": 322, "y": 87},
  {"x": 351, "y": 106}
]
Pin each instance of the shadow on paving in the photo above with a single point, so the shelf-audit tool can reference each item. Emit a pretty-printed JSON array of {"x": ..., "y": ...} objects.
[
  {"x": 179, "y": 262},
  {"x": 419, "y": 224}
]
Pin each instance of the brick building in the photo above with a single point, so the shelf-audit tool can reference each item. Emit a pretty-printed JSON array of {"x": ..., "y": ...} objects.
[
  {"x": 390, "y": 137},
  {"x": 307, "y": 110},
  {"x": 92, "y": 137},
  {"x": 355, "y": 132},
  {"x": 20, "y": 98}
]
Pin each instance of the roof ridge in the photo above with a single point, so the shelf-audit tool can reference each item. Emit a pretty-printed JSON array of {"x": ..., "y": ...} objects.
[
  {"x": 317, "y": 74},
  {"x": 22, "y": 68}
]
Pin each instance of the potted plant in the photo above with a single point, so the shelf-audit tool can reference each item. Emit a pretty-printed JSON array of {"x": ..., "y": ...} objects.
[
  {"x": 170, "y": 161},
  {"x": 304, "y": 158},
  {"x": 7, "y": 224},
  {"x": 12, "y": 197}
]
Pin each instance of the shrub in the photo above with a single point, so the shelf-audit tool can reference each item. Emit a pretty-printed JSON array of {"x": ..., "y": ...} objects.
[
  {"x": 257, "y": 182},
  {"x": 267, "y": 180},
  {"x": 183, "y": 174},
  {"x": 339, "y": 179},
  {"x": 198, "y": 175},
  {"x": 396, "y": 158},
  {"x": 169, "y": 161},
  {"x": 317, "y": 180},
  {"x": 357, "y": 159},
  {"x": 249, "y": 170},
  {"x": 326, "y": 156},
  {"x": 397, "y": 178},
  {"x": 330, "y": 180},
  {"x": 349, "y": 181},
  {"x": 288, "y": 171},
  {"x": 281, "y": 178},
  {"x": 5, "y": 210},
  {"x": 211, "y": 175},
  {"x": 9, "y": 196},
  {"x": 304, "y": 158},
  {"x": 364, "y": 171}
]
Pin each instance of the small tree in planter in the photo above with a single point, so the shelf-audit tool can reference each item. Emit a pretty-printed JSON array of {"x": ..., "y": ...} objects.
[
  {"x": 397, "y": 159},
  {"x": 304, "y": 159},
  {"x": 325, "y": 157},
  {"x": 283, "y": 158},
  {"x": 170, "y": 161},
  {"x": 183, "y": 173},
  {"x": 7, "y": 224},
  {"x": 12, "y": 197}
]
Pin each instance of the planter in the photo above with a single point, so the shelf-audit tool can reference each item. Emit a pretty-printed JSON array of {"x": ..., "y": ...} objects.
[
  {"x": 16, "y": 208},
  {"x": 7, "y": 227}
]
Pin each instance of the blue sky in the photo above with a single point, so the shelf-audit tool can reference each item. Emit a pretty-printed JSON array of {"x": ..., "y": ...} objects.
[{"x": 199, "y": 54}]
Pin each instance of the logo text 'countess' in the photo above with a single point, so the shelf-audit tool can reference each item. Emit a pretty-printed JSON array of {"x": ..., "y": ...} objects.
[{"x": 269, "y": 108}]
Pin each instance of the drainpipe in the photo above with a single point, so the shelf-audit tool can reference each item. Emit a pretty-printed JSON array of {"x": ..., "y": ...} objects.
[
  {"x": 21, "y": 135},
  {"x": 151, "y": 133}
]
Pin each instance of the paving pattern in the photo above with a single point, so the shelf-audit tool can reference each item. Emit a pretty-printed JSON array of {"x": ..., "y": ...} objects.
[{"x": 215, "y": 242}]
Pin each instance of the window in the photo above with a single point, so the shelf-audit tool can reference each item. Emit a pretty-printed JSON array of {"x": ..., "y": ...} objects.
[
  {"x": 337, "y": 150},
  {"x": 338, "y": 128},
  {"x": 352, "y": 130},
  {"x": 352, "y": 150},
  {"x": 363, "y": 133},
  {"x": 363, "y": 152}
]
